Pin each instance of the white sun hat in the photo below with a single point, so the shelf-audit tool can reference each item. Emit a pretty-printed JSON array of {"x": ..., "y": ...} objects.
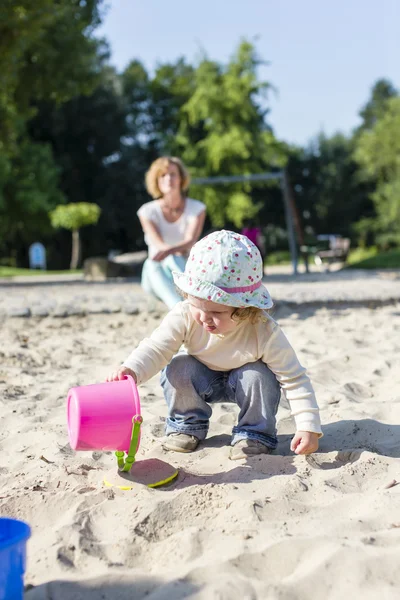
[{"x": 227, "y": 268}]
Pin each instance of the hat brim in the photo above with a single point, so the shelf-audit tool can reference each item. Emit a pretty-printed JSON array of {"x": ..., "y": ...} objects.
[{"x": 258, "y": 298}]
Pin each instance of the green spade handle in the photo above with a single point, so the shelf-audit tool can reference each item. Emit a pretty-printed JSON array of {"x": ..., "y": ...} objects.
[{"x": 125, "y": 464}]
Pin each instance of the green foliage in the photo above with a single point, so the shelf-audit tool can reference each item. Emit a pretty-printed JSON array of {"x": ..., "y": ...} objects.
[
  {"x": 172, "y": 86},
  {"x": 364, "y": 230},
  {"x": 46, "y": 51},
  {"x": 361, "y": 253},
  {"x": 378, "y": 150},
  {"x": 223, "y": 130},
  {"x": 281, "y": 257},
  {"x": 74, "y": 216},
  {"x": 380, "y": 260},
  {"x": 240, "y": 208},
  {"x": 15, "y": 272},
  {"x": 103, "y": 156},
  {"x": 28, "y": 190},
  {"x": 329, "y": 195},
  {"x": 335, "y": 195},
  {"x": 376, "y": 106},
  {"x": 154, "y": 105},
  {"x": 378, "y": 153},
  {"x": 72, "y": 128}
]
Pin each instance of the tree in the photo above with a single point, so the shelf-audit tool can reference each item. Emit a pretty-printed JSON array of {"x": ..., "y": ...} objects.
[
  {"x": 154, "y": 104},
  {"x": 47, "y": 50},
  {"x": 47, "y": 53},
  {"x": 329, "y": 194},
  {"x": 378, "y": 153},
  {"x": 29, "y": 189},
  {"x": 103, "y": 155},
  {"x": 375, "y": 108},
  {"x": 73, "y": 217},
  {"x": 223, "y": 130},
  {"x": 172, "y": 86}
]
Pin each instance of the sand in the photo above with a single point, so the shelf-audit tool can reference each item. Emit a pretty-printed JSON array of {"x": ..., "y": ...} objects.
[{"x": 280, "y": 526}]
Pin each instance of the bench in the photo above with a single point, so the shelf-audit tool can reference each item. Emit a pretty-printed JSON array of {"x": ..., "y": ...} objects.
[
  {"x": 326, "y": 250},
  {"x": 123, "y": 265}
]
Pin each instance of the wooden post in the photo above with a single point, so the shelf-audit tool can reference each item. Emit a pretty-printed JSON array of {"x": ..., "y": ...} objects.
[{"x": 289, "y": 221}]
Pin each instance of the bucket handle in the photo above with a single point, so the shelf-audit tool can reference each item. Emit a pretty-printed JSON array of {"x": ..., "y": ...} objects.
[{"x": 125, "y": 464}]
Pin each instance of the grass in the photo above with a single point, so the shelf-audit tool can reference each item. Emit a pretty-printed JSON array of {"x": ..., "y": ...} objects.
[
  {"x": 15, "y": 272},
  {"x": 359, "y": 258},
  {"x": 278, "y": 258},
  {"x": 371, "y": 258}
]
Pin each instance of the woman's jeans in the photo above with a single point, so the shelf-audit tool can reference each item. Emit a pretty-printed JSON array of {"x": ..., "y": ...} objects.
[
  {"x": 157, "y": 278},
  {"x": 190, "y": 387}
]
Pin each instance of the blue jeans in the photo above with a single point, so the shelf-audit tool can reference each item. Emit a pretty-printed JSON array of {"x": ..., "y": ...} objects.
[
  {"x": 157, "y": 278},
  {"x": 190, "y": 387}
]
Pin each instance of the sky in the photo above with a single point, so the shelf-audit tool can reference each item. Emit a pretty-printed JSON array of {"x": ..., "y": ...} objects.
[{"x": 324, "y": 55}]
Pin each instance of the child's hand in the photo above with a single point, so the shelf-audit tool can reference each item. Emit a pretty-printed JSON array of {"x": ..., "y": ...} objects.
[
  {"x": 304, "y": 442},
  {"x": 120, "y": 374}
]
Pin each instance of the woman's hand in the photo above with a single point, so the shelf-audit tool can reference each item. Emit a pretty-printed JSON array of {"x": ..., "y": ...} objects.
[
  {"x": 120, "y": 374},
  {"x": 304, "y": 442},
  {"x": 161, "y": 254}
]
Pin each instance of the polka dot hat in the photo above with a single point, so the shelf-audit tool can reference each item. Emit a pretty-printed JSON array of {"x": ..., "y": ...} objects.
[{"x": 225, "y": 267}]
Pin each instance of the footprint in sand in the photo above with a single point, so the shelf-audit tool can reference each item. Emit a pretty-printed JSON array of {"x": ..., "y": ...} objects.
[
  {"x": 228, "y": 416},
  {"x": 66, "y": 556},
  {"x": 327, "y": 462},
  {"x": 383, "y": 371},
  {"x": 158, "y": 430},
  {"x": 13, "y": 391},
  {"x": 356, "y": 392},
  {"x": 66, "y": 450},
  {"x": 227, "y": 419}
]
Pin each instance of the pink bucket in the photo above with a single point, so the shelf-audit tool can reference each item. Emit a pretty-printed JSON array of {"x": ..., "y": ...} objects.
[{"x": 100, "y": 416}]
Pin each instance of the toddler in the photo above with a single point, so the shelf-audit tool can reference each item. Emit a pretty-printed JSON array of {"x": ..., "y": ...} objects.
[{"x": 233, "y": 351}]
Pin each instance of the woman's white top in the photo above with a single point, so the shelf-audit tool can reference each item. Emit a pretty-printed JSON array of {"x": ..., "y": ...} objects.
[{"x": 171, "y": 233}]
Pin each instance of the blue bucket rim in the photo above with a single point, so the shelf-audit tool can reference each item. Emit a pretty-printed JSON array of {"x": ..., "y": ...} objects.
[{"x": 21, "y": 534}]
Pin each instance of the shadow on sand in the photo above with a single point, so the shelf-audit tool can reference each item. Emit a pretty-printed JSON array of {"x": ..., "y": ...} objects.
[
  {"x": 112, "y": 587},
  {"x": 354, "y": 434},
  {"x": 348, "y": 438}
]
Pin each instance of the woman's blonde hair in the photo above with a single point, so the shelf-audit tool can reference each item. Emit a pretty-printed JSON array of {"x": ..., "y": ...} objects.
[
  {"x": 250, "y": 313},
  {"x": 158, "y": 168}
]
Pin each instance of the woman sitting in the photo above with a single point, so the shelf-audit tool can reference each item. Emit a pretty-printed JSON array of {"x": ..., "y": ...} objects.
[{"x": 172, "y": 224}]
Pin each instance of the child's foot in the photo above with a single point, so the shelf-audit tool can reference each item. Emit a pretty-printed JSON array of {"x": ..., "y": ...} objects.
[
  {"x": 245, "y": 448},
  {"x": 181, "y": 442}
]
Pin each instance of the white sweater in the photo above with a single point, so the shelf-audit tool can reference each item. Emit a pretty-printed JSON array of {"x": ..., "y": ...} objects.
[{"x": 245, "y": 344}]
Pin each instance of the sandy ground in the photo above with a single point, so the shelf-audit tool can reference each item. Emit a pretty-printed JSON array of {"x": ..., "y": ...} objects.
[{"x": 272, "y": 527}]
